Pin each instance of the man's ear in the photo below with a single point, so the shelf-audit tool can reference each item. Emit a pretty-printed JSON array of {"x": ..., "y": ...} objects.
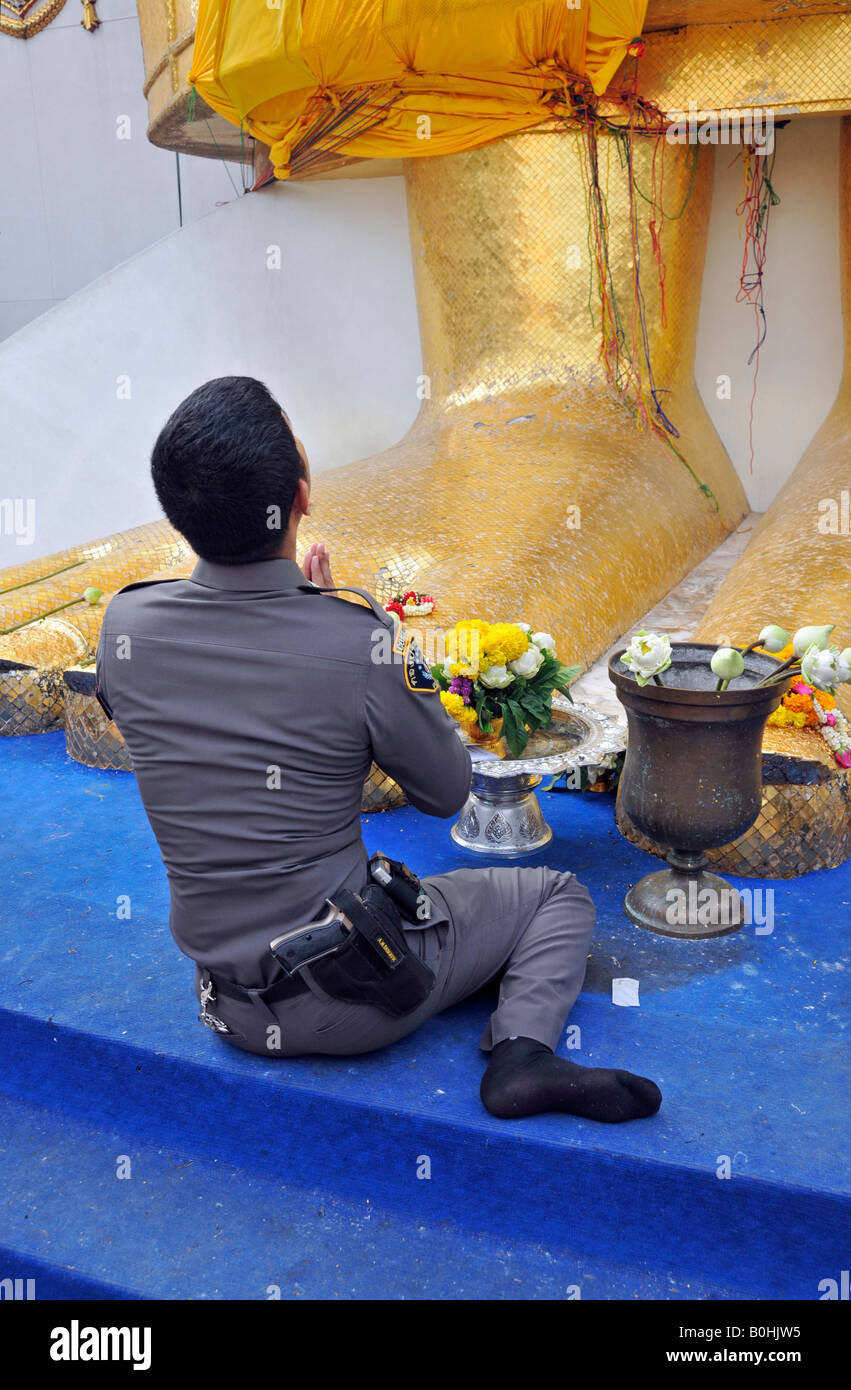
[{"x": 301, "y": 502}]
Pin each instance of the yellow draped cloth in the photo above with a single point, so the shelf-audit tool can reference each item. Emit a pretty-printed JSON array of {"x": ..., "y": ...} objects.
[{"x": 390, "y": 78}]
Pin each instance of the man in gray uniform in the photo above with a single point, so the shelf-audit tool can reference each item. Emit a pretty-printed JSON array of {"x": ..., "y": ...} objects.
[{"x": 253, "y": 705}]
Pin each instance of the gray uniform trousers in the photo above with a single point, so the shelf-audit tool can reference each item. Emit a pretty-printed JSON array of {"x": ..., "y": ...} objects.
[{"x": 537, "y": 923}]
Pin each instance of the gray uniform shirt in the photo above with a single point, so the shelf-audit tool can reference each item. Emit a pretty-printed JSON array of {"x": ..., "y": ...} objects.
[{"x": 252, "y": 705}]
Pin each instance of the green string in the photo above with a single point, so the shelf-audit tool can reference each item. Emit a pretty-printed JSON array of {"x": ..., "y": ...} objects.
[
  {"x": 691, "y": 165},
  {"x": 704, "y": 487},
  {"x": 39, "y": 577}
]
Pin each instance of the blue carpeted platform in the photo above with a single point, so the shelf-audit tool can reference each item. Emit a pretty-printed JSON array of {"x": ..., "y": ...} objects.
[{"x": 103, "y": 1055}]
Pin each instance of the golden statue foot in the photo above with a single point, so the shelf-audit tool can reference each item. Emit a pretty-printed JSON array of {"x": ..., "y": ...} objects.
[
  {"x": 796, "y": 571},
  {"x": 33, "y": 654},
  {"x": 525, "y": 489}
]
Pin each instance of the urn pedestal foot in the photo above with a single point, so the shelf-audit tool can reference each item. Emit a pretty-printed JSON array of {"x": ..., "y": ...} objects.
[
  {"x": 502, "y": 817},
  {"x": 685, "y": 900}
]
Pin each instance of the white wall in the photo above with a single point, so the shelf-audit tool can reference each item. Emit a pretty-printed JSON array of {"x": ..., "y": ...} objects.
[
  {"x": 77, "y": 196},
  {"x": 333, "y": 332},
  {"x": 800, "y": 362}
]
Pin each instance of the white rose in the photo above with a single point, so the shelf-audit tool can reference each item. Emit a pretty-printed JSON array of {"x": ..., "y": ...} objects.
[
  {"x": 496, "y": 677},
  {"x": 529, "y": 664},
  {"x": 823, "y": 668},
  {"x": 545, "y": 641},
  {"x": 647, "y": 655}
]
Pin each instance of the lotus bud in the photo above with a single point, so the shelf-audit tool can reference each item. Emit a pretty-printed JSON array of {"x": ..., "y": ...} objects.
[
  {"x": 92, "y": 594},
  {"x": 727, "y": 663},
  {"x": 773, "y": 638},
  {"x": 807, "y": 637}
]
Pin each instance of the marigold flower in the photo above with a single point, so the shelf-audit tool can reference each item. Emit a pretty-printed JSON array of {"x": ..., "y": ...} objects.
[{"x": 799, "y": 702}]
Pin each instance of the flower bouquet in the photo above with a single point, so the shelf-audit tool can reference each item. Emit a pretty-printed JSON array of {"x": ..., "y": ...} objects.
[{"x": 499, "y": 678}]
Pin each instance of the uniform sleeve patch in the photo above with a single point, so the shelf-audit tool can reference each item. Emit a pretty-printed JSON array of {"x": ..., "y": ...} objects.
[{"x": 418, "y": 677}]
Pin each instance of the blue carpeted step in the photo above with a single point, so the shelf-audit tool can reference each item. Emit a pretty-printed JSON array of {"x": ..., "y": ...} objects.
[
  {"x": 643, "y": 1194},
  {"x": 180, "y": 1227},
  {"x": 744, "y": 1034}
]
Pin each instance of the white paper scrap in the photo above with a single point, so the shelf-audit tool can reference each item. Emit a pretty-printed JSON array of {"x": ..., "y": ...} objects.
[{"x": 625, "y": 992}]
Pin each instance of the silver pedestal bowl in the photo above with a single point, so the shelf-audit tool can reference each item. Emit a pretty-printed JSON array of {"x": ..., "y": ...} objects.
[{"x": 501, "y": 817}]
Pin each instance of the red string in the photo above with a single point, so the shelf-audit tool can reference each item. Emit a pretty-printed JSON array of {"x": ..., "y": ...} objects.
[{"x": 754, "y": 208}]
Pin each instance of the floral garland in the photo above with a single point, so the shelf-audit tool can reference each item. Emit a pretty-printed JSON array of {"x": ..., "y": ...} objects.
[
  {"x": 806, "y": 707},
  {"x": 410, "y": 605}
]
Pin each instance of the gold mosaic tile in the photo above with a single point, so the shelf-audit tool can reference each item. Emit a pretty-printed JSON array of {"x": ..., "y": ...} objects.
[
  {"x": 788, "y": 61},
  {"x": 31, "y": 702},
  {"x": 380, "y": 792},
  {"x": 90, "y": 737},
  {"x": 50, "y": 642}
]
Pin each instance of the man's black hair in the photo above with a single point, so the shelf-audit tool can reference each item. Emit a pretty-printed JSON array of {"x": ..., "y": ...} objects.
[{"x": 225, "y": 468}]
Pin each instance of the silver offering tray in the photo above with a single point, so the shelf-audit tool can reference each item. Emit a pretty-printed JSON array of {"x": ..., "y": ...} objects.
[
  {"x": 577, "y": 737},
  {"x": 501, "y": 816}
]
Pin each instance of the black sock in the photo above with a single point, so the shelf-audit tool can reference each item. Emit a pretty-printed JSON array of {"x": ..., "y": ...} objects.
[{"x": 525, "y": 1078}]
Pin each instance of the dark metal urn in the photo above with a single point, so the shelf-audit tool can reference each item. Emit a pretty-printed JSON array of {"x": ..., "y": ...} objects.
[{"x": 692, "y": 780}]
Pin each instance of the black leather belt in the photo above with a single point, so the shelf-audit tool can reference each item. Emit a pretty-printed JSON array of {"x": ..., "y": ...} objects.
[{"x": 284, "y": 988}]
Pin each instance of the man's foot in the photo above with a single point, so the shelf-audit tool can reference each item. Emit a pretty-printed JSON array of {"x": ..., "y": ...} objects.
[{"x": 525, "y": 1078}]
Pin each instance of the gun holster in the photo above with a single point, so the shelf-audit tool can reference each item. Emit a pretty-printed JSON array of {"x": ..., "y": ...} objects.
[
  {"x": 374, "y": 965},
  {"x": 402, "y": 885}
]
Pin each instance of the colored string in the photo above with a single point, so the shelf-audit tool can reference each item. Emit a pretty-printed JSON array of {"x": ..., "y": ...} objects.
[{"x": 753, "y": 210}]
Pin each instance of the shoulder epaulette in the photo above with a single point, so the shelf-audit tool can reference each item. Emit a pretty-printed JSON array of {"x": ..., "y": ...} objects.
[
  {"x": 145, "y": 583},
  {"x": 380, "y": 613}
]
